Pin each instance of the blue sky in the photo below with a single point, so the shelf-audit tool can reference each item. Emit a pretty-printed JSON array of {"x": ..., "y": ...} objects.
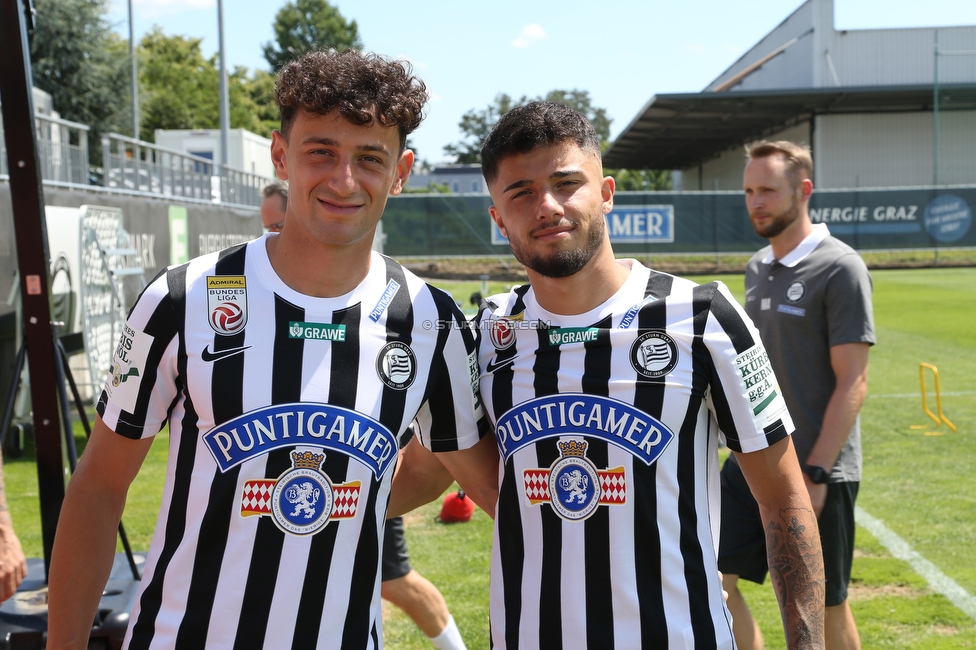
[{"x": 622, "y": 52}]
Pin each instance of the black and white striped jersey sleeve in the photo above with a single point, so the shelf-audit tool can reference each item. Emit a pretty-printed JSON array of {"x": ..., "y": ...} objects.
[
  {"x": 142, "y": 383},
  {"x": 452, "y": 417},
  {"x": 744, "y": 395}
]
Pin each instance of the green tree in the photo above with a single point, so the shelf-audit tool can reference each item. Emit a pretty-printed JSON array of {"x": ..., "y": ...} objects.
[
  {"x": 260, "y": 90},
  {"x": 178, "y": 86},
  {"x": 305, "y": 25},
  {"x": 83, "y": 65},
  {"x": 476, "y": 124},
  {"x": 580, "y": 100},
  {"x": 641, "y": 180},
  {"x": 179, "y": 89}
]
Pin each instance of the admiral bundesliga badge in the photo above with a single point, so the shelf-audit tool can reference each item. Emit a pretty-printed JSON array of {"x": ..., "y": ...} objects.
[
  {"x": 303, "y": 499},
  {"x": 573, "y": 486}
]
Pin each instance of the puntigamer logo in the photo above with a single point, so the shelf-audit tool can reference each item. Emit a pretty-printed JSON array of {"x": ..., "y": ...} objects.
[{"x": 316, "y": 331}]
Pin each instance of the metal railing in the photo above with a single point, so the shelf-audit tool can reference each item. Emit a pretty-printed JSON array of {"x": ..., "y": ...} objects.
[
  {"x": 143, "y": 168},
  {"x": 62, "y": 148}
]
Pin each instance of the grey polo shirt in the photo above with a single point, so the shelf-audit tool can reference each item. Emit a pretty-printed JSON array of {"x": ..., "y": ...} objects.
[{"x": 816, "y": 297}]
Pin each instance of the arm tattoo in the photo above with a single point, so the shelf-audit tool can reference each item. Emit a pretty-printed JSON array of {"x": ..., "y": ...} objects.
[{"x": 797, "y": 573}]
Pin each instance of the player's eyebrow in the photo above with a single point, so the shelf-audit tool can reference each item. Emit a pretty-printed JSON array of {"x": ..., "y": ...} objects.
[
  {"x": 329, "y": 142},
  {"x": 562, "y": 173},
  {"x": 517, "y": 185}
]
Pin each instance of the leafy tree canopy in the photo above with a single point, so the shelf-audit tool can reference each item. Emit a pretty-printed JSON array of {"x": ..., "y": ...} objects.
[
  {"x": 641, "y": 180},
  {"x": 305, "y": 25},
  {"x": 476, "y": 124},
  {"x": 179, "y": 89},
  {"x": 83, "y": 65}
]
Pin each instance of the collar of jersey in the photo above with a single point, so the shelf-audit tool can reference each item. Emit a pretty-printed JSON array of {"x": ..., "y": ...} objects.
[
  {"x": 375, "y": 280},
  {"x": 635, "y": 282},
  {"x": 807, "y": 246}
]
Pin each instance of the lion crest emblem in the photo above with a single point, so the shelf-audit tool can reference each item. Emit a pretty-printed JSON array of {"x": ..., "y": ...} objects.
[
  {"x": 574, "y": 485},
  {"x": 303, "y": 497}
]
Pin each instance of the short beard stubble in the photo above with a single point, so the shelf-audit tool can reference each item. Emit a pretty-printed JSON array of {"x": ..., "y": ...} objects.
[{"x": 564, "y": 263}]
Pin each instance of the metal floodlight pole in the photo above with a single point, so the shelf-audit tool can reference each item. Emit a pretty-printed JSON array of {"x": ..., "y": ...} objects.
[
  {"x": 135, "y": 76},
  {"x": 224, "y": 100},
  {"x": 935, "y": 112},
  {"x": 33, "y": 259}
]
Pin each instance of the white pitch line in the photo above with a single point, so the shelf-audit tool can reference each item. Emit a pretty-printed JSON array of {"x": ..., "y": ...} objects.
[{"x": 898, "y": 547}]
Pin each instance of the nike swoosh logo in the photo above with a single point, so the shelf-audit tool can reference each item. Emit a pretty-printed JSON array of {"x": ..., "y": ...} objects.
[
  {"x": 209, "y": 356},
  {"x": 493, "y": 367},
  {"x": 750, "y": 290}
]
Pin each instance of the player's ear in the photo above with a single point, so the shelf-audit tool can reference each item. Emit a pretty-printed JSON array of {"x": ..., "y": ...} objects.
[
  {"x": 279, "y": 146},
  {"x": 806, "y": 189},
  {"x": 404, "y": 164},
  {"x": 607, "y": 188},
  {"x": 497, "y": 218}
]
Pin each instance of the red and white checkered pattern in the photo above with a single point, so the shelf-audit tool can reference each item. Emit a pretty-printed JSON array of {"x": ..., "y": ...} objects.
[
  {"x": 613, "y": 486},
  {"x": 537, "y": 485},
  {"x": 256, "y": 499},
  {"x": 346, "y": 500}
]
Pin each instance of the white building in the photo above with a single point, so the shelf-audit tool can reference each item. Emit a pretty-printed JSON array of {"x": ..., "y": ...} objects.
[
  {"x": 879, "y": 108},
  {"x": 246, "y": 151}
]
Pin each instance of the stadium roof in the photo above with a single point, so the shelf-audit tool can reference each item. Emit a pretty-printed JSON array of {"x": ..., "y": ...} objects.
[{"x": 684, "y": 130}]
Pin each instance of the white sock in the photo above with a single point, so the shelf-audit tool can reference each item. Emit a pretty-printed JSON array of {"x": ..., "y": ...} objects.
[{"x": 449, "y": 638}]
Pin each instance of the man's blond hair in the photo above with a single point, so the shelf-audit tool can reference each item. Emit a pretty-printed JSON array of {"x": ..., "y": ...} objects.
[{"x": 799, "y": 161}]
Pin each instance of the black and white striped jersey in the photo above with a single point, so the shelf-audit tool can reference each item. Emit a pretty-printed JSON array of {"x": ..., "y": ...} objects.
[
  {"x": 284, "y": 413},
  {"x": 606, "y": 530}
]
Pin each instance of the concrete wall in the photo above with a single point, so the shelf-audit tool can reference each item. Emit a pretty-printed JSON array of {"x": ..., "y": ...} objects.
[{"x": 896, "y": 149}]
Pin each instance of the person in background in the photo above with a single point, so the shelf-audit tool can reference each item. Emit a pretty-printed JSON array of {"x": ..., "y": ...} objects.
[
  {"x": 414, "y": 594},
  {"x": 13, "y": 564},
  {"x": 809, "y": 295},
  {"x": 273, "y": 205}
]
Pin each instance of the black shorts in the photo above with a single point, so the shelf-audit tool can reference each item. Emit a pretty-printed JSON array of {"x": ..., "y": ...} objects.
[
  {"x": 742, "y": 544},
  {"x": 396, "y": 562}
]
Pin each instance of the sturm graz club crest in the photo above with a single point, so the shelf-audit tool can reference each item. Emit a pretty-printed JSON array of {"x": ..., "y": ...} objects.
[
  {"x": 302, "y": 500},
  {"x": 795, "y": 291},
  {"x": 573, "y": 486},
  {"x": 396, "y": 365},
  {"x": 654, "y": 354}
]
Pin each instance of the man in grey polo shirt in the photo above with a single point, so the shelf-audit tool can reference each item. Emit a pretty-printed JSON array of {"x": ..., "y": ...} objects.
[{"x": 810, "y": 296}]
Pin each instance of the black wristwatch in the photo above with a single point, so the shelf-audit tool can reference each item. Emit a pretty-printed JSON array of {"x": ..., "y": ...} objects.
[{"x": 816, "y": 473}]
